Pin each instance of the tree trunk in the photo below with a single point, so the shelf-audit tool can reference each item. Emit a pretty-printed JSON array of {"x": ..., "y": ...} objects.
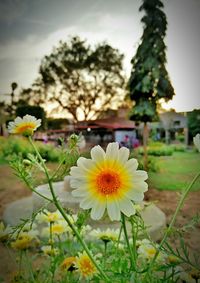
[{"x": 145, "y": 138}]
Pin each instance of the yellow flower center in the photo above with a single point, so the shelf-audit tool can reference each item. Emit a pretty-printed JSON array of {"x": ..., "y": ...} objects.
[
  {"x": 108, "y": 182},
  {"x": 87, "y": 268},
  {"x": 25, "y": 127},
  {"x": 58, "y": 229},
  {"x": 68, "y": 263},
  {"x": 23, "y": 242},
  {"x": 151, "y": 251}
]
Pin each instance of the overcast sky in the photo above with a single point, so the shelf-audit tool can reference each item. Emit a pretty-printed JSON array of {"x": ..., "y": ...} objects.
[{"x": 30, "y": 29}]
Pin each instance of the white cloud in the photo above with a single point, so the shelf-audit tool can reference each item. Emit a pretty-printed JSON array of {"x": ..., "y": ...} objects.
[{"x": 29, "y": 52}]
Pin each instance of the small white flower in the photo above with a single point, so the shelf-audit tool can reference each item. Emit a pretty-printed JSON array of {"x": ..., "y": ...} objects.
[
  {"x": 196, "y": 141},
  {"x": 48, "y": 250},
  {"x": 47, "y": 216},
  {"x": 105, "y": 235},
  {"x": 24, "y": 126},
  {"x": 147, "y": 250}
]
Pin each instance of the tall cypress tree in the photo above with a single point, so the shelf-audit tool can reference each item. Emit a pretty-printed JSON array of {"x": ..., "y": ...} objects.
[{"x": 149, "y": 80}]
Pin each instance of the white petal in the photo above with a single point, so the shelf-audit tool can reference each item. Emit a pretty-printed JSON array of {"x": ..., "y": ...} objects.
[
  {"x": 140, "y": 175},
  {"x": 135, "y": 195},
  {"x": 97, "y": 153},
  {"x": 80, "y": 193},
  {"x": 77, "y": 172},
  {"x": 126, "y": 206},
  {"x": 85, "y": 163},
  {"x": 140, "y": 186},
  {"x": 112, "y": 151},
  {"x": 123, "y": 154},
  {"x": 18, "y": 120},
  {"x": 28, "y": 118},
  {"x": 38, "y": 122},
  {"x": 87, "y": 203},
  {"x": 131, "y": 165},
  {"x": 98, "y": 211},
  {"x": 113, "y": 210},
  {"x": 75, "y": 183}
]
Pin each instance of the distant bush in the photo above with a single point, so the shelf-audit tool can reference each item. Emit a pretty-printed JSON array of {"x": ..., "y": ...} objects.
[
  {"x": 56, "y": 124},
  {"x": 180, "y": 138},
  {"x": 179, "y": 147},
  {"x": 18, "y": 145},
  {"x": 152, "y": 164},
  {"x": 157, "y": 149}
]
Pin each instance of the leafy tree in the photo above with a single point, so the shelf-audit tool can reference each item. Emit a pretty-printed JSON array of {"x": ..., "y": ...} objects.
[
  {"x": 80, "y": 79},
  {"x": 56, "y": 124},
  {"x": 3, "y": 117},
  {"x": 193, "y": 123},
  {"x": 11, "y": 107},
  {"x": 149, "y": 81}
]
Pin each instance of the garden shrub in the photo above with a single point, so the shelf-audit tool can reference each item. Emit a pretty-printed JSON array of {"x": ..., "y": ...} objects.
[
  {"x": 15, "y": 146},
  {"x": 179, "y": 147},
  {"x": 157, "y": 149},
  {"x": 152, "y": 165},
  {"x": 180, "y": 138}
]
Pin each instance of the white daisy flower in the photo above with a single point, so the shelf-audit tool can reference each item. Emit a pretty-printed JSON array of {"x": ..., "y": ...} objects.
[
  {"x": 108, "y": 181},
  {"x": 147, "y": 250},
  {"x": 24, "y": 126},
  {"x": 106, "y": 235}
]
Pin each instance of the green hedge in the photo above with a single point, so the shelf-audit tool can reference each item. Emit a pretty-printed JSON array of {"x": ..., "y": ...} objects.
[
  {"x": 19, "y": 145},
  {"x": 179, "y": 147},
  {"x": 157, "y": 149}
]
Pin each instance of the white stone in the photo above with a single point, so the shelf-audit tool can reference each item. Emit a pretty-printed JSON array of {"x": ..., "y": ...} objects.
[
  {"x": 154, "y": 218},
  {"x": 17, "y": 210}
]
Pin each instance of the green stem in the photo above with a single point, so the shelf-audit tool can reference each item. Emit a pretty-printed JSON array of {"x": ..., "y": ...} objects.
[
  {"x": 127, "y": 240},
  {"x": 134, "y": 226},
  {"x": 105, "y": 252},
  {"x": 180, "y": 204},
  {"x": 59, "y": 207},
  {"x": 57, "y": 169},
  {"x": 52, "y": 252},
  {"x": 120, "y": 233},
  {"x": 36, "y": 192},
  {"x": 29, "y": 266},
  {"x": 20, "y": 261}
]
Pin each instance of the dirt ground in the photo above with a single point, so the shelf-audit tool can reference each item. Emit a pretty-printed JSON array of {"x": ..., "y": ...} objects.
[{"x": 165, "y": 200}]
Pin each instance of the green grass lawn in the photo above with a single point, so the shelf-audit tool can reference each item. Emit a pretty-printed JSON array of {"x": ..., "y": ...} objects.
[{"x": 176, "y": 171}]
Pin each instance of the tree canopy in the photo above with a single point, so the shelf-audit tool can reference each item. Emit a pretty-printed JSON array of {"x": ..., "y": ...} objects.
[
  {"x": 193, "y": 122},
  {"x": 81, "y": 79},
  {"x": 149, "y": 81}
]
